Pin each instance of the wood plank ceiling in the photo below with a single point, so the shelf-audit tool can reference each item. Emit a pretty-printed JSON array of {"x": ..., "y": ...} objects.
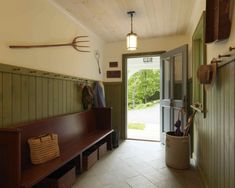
[{"x": 153, "y": 18}]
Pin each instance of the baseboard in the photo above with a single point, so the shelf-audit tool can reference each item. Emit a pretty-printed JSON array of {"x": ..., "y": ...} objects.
[
  {"x": 194, "y": 162},
  {"x": 203, "y": 177}
]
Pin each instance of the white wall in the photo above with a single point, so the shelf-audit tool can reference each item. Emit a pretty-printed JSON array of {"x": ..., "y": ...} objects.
[
  {"x": 43, "y": 22},
  {"x": 114, "y": 51}
]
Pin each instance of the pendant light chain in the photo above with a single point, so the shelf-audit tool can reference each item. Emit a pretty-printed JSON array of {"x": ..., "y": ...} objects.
[{"x": 131, "y": 22}]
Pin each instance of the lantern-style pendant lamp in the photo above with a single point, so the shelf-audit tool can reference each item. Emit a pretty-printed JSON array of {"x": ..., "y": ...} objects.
[{"x": 131, "y": 38}]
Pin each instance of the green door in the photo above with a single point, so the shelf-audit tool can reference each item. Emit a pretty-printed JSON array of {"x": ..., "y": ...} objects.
[{"x": 173, "y": 87}]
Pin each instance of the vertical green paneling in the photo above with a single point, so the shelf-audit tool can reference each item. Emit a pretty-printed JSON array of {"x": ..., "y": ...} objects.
[
  {"x": 60, "y": 96},
  {"x": 45, "y": 97},
  {"x": 16, "y": 97},
  {"x": 1, "y": 102},
  {"x": 68, "y": 96},
  {"x": 232, "y": 126},
  {"x": 56, "y": 97},
  {"x": 75, "y": 100},
  {"x": 215, "y": 134},
  {"x": 32, "y": 98},
  {"x": 24, "y": 98},
  {"x": 222, "y": 139},
  {"x": 50, "y": 97},
  {"x": 79, "y": 98},
  {"x": 226, "y": 127},
  {"x": 71, "y": 96},
  {"x": 7, "y": 99},
  {"x": 39, "y": 98},
  {"x": 113, "y": 93},
  {"x": 64, "y": 93}
]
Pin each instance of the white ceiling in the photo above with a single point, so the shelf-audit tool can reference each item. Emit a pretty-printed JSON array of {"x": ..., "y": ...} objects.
[{"x": 153, "y": 18}]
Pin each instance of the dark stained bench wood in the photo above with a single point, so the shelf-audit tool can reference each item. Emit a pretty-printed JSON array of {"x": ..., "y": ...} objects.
[{"x": 77, "y": 132}]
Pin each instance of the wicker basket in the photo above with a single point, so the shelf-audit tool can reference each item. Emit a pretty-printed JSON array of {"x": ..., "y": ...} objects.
[
  {"x": 102, "y": 150},
  {"x": 43, "y": 148},
  {"x": 89, "y": 158}
]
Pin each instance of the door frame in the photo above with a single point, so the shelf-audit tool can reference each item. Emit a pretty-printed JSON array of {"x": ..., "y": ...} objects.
[
  {"x": 199, "y": 58},
  {"x": 123, "y": 130}
]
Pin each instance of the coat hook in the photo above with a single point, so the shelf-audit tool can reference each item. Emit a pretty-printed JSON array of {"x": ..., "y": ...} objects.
[
  {"x": 226, "y": 55},
  {"x": 16, "y": 69},
  {"x": 231, "y": 48},
  {"x": 214, "y": 60}
]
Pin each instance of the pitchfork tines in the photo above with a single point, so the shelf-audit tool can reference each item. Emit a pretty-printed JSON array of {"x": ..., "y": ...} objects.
[{"x": 75, "y": 44}]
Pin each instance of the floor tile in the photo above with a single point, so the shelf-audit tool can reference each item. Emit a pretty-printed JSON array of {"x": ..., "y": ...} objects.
[{"x": 137, "y": 164}]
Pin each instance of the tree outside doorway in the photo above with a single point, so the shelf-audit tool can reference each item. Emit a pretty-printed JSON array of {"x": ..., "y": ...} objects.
[{"x": 143, "y": 103}]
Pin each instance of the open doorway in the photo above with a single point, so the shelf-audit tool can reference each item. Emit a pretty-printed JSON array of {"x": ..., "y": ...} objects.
[{"x": 143, "y": 98}]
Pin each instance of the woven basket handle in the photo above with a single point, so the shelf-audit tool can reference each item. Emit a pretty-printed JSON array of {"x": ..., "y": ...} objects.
[{"x": 44, "y": 135}]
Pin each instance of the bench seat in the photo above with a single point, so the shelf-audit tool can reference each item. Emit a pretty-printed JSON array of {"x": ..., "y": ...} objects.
[{"x": 36, "y": 173}]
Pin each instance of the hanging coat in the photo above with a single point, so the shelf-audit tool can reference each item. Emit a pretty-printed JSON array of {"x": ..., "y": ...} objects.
[
  {"x": 87, "y": 97},
  {"x": 99, "y": 100}
]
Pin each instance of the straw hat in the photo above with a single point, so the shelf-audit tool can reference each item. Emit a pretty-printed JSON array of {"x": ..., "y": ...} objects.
[{"x": 206, "y": 74}]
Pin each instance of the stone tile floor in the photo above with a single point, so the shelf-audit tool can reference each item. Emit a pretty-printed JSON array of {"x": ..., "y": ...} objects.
[{"x": 137, "y": 164}]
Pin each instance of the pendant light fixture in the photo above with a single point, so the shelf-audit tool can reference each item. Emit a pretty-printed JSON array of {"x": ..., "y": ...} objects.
[{"x": 131, "y": 38}]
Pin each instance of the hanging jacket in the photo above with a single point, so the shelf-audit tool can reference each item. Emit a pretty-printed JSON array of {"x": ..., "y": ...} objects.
[
  {"x": 87, "y": 97},
  {"x": 99, "y": 100}
]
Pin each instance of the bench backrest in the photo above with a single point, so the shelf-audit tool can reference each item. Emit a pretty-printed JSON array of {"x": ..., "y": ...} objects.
[{"x": 68, "y": 127}]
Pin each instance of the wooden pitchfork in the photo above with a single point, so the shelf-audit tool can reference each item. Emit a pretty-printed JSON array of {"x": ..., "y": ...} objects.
[{"x": 74, "y": 44}]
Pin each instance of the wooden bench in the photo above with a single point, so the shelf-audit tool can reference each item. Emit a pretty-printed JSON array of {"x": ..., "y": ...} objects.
[{"x": 76, "y": 132}]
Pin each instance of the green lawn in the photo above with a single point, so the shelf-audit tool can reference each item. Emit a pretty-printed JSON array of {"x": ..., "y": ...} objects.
[{"x": 138, "y": 126}]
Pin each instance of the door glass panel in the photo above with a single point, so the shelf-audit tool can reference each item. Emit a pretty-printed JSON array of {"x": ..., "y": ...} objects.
[
  {"x": 178, "y": 80},
  {"x": 166, "y": 78},
  {"x": 166, "y": 119}
]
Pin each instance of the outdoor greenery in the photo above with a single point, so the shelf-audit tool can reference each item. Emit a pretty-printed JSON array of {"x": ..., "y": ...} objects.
[
  {"x": 138, "y": 126},
  {"x": 143, "y": 88},
  {"x": 146, "y": 105}
]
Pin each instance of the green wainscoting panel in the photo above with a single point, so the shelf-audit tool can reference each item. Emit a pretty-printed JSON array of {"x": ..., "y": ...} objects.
[
  {"x": 7, "y": 99},
  {"x": 55, "y": 96},
  {"x": 50, "y": 97},
  {"x": 1, "y": 98},
  {"x": 64, "y": 94},
  {"x": 60, "y": 96},
  {"x": 39, "y": 99},
  {"x": 68, "y": 96},
  {"x": 16, "y": 96},
  {"x": 45, "y": 97},
  {"x": 24, "y": 98},
  {"x": 215, "y": 135},
  {"x": 27, "y": 95},
  {"x": 113, "y": 94},
  {"x": 32, "y": 98}
]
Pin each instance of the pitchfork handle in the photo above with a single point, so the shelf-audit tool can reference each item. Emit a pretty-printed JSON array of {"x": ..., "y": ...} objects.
[{"x": 38, "y": 46}]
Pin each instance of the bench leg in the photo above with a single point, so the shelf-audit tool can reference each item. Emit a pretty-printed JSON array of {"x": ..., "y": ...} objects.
[{"x": 109, "y": 142}]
